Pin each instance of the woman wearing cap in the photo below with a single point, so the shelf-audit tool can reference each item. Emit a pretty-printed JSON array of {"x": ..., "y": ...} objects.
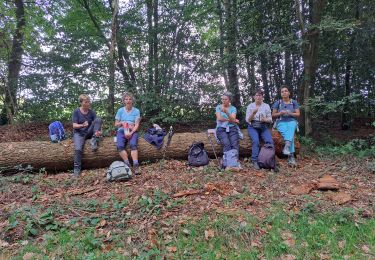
[
  {"x": 258, "y": 117},
  {"x": 287, "y": 111},
  {"x": 128, "y": 119},
  {"x": 226, "y": 123}
]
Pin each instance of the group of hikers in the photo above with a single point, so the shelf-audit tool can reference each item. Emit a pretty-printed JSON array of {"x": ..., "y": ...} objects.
[{"x": 259, "y": 117}]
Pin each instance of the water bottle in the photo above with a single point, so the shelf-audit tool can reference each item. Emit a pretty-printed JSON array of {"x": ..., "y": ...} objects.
[{"x": 126, "y": 129}]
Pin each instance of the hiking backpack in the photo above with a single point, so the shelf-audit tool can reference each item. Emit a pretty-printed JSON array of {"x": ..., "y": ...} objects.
[
  {"x": 118, "y": 171},
  {"x": 230, "y": 159},
  {"x": 56, "y": 131},
  {"x": 266, "y": 157},
  {"x": 197, "y": 155}
]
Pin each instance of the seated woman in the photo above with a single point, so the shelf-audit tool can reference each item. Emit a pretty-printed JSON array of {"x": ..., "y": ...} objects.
[
  {"x": 258, "y": 117},
  {"x": 226, "y": 128},
  {"x": 128, "y": 119},
  {"x": 286, "y": 110},
  {"x": 86, "y": 125}
]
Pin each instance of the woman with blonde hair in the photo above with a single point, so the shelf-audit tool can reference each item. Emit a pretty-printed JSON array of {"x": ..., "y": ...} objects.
[{"x": 127, "y": 120}]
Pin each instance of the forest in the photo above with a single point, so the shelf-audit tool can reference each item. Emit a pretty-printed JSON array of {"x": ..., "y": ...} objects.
[{"x": 177, "y": 58}]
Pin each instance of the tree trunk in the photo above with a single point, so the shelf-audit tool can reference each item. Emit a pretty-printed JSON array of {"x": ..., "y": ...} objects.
[
  {"x": 59, "y": 157},
  {"x": 310, "y": 54},
  {"x": 231, "y": 33},
  {"x": 222, "y": 41},
  {"x": 14, "y": 66},
  {"x": 150, "y": 45},
  {"x": 111, "y": 80},
  {"x": 345, "y": 116},
  {"x": 155, "y": 48},
  {"x": 264, "y": 73}
]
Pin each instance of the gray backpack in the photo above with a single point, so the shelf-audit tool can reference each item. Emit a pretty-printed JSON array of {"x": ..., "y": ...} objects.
[
  {"x": 266, "y": 157},
  {"x": 119, "y": 171},
  {"x": 197, "y": 155},
  {"x": 230, "y": 159}
]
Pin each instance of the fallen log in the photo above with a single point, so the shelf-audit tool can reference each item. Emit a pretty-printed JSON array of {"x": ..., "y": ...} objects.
[{"x": 59, "y": 156}]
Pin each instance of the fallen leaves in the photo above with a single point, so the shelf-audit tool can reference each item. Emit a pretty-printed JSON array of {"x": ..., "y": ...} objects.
[
  {"x": 340, "y": 197},
  {"x": 302, "y": 189},
  {"x": 209, "y": 234}
]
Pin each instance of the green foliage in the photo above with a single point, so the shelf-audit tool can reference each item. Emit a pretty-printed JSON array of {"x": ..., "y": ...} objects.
[
  {"x": 355, "y": 147},
  {"x": 353, "y": 105}
]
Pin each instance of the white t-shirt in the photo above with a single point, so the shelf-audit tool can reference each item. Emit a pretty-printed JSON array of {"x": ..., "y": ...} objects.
[{"x": 264, "y": 112}]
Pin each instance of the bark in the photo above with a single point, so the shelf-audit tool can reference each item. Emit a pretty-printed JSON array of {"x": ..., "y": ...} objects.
[
  {"x": 345, "y": 116},
  {"x": 14, "y": 66},
  {"x": 222, "y": 41},
  {"x": 264, "y": 73},
  {"x": 59, "y": 157},
  {"x": 111, "y": 80},
  {"x": 288, "y": 68},
  {"x": 155, "y": 48},
  {"x": 231, "y": 33},
  {"x": 150, "y": 45},
  {"x": 310, "y": 54}
]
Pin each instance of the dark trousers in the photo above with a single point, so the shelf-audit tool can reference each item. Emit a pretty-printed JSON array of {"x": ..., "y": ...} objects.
[
  {"x": 79, "y": 141},
  {"x": 228, "y": 140},
  {"x": 254, "y": 134}
]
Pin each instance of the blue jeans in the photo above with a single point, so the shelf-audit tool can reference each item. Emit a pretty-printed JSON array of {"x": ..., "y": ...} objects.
[
  {"x": 254, "y": 134},
  {"x": 122, "y": 141},
  {"x": 228, "y": 140},
  {"x": 80, "y": 139}
]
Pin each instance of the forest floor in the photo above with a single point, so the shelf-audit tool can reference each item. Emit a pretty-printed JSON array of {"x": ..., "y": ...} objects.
[{"x": 173, "y": 212}]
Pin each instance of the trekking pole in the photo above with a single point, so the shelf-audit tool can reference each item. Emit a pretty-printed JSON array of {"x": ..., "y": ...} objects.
[
  {"x": 209, "y": 132},
  {"x": 170, "y": 134}
]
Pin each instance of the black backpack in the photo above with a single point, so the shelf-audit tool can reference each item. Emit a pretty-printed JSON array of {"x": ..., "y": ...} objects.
[
  {"x": 266, "y": 157},
  {"x": 197, "y": 155}
]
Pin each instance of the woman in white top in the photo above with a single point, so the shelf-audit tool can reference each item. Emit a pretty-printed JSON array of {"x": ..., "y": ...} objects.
[{"x": 258, "y": 117}]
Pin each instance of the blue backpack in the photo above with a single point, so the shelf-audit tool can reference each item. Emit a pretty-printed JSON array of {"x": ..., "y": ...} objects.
[
  {"x": 56, "y": 132},
  {"x": 230, "y": 159}
]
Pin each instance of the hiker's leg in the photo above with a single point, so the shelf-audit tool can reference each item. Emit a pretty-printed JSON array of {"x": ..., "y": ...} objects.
[
  {"x": 254, "y": 135},
  {"x": 234, "y": 138},
  {"x": 133, "y": 143},
  {"x": 266, "y": 135},
  {"x": 223, "y": 137},
  {"x": 287, "y": 130},
  {"x": 121, "y": 144},
  {"x": 79, "y": 141}
]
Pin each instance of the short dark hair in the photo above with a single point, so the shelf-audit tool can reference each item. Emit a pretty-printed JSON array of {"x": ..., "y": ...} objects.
[
  {"x": 285, "y": 86},
  {"x": 259, "y": 92}
]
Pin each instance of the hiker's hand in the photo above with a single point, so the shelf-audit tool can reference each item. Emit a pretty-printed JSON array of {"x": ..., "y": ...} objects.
[
  {"x": 237, "y": 121},
  {"x": 128, "y": 136},
  {"x": 85, "y": 124}
]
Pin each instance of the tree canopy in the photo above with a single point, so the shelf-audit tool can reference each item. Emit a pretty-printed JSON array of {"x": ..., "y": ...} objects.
[{"x": 177, "y": 57}]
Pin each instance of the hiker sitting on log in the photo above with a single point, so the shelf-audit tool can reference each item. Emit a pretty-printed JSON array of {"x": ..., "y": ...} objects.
[
  {"x": 127, "y": 120},
  {"x": 86, "y": 125},
  {"x": 226, "y": 123},
  {"x": 258, "y": 117},
  {"x": 286, "y": 110}
]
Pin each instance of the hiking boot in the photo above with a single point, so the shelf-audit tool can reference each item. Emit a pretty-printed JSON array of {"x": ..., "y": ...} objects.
[
  {"x": 94, "y": 144},
  {"x": 137, "y": 170},
  {"x": 292, "y": 161},
  {"x": 256, "y": 166},
  {"x": 76, "y": 172},
  {"x": 286, "y": 149}
]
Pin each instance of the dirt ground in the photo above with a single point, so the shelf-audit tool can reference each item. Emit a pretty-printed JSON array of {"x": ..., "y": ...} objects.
[{"x": 195, "y": 192}]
